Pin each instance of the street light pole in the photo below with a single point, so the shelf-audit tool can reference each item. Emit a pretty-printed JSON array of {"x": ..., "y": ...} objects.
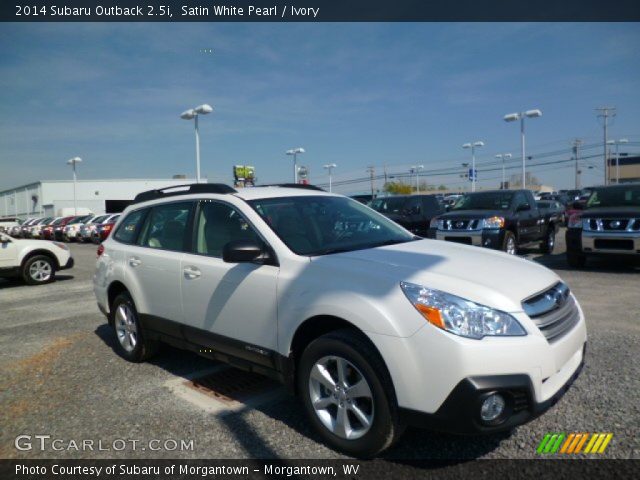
[
  {"x": 330, "y": 168},
  {"x": 192, "y": 114},
  {"x": 295, "y": 152},
  {"x": 473, "y": 146},
  {"x": 511, "y": 117},
  {"x": 416, "y": 169},
  {"x": 503, "y": 157},
  {"x": 73, "y": 161}
]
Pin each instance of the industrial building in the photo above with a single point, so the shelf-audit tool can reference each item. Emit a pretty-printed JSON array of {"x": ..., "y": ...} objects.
[
  {"x": 51, "y": 197},
  {"x": 627, "y": 169}
]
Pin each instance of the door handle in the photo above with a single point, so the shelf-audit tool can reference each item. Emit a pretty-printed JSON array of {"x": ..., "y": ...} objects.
[
  {"x": 135, "y": 261},
  {"x": 191, "y": 272}
]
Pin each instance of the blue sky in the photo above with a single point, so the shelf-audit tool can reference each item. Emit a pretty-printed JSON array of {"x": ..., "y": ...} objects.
[{"x": 351, "y": 94}]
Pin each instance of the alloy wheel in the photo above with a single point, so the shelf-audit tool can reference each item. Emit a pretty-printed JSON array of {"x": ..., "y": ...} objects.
[
  {"x": 341, "y": 397},
  {"x": 511, "y": 246},
  {"x": 126, "y": 328},
  {"x": 40, "y": 271}
]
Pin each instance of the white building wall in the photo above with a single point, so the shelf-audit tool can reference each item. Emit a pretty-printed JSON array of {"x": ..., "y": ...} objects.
[{"x": 51, "y": 196}]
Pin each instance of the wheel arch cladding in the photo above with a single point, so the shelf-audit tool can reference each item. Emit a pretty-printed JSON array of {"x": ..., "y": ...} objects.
[
  {"x": 115, "y": 289},
  {"x": 41, "y": 252}
]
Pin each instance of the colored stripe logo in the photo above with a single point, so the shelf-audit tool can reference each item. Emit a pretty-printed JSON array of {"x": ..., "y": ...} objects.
[{"x": 574, "y": 443}]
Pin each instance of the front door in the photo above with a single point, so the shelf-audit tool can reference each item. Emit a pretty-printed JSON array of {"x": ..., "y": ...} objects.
[
  {"x": 8, "y": 252},
  {"x": 230, "y": 307}
]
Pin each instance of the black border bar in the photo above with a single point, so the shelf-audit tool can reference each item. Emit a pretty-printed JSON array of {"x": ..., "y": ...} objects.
[{"x": 325, "y": 10}]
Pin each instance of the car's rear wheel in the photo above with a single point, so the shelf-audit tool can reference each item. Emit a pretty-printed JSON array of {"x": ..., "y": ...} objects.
[
  {"x": 549, "y": 241},
  {"x": 348, "y": 394},
  {"x": 38, "y": 270},
  {"x": 132, "y": 342},
  {"x": 509, "y": 244}
]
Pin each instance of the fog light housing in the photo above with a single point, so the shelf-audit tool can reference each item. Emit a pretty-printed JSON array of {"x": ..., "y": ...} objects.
[{"x": 492, "y": 407}]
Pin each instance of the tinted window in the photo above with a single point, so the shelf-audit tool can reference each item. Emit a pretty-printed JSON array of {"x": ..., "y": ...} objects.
[
  {"x": 219, "y": 224},
  {"x": 166, "y": 226},
  {"x": 519, "y": 199},
  {"x": 485, "y": 201},
  {"x": 128, "y": 230},
  {"x": 431, "y": 206},
  {"x": 320, "y": 225}
]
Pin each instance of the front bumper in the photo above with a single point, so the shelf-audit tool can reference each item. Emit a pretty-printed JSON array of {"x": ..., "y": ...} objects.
[
  {"x": 493, "y": 238},
  {"x": 70, "y": 263},
  {"x": 460, "y": 413},
  {"x": 602, "y": 243}
]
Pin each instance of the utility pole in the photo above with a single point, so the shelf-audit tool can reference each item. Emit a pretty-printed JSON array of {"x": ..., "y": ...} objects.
[
  {"x": 371, "y": 171},
  {"x": 576, "y": 145},
  {"x": 607, "y": 115}
]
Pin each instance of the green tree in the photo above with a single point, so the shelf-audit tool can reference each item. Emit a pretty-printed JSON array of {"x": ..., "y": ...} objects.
[{"x": 397, "y": 188}]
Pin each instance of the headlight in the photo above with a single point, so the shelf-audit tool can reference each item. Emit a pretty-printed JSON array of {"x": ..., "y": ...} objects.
[
  {"x": 493, "y": 222},
  {"x": 459, "y": 316},
  {"x": 60, "y": 245},
  {"x": 575, "y": 221}
]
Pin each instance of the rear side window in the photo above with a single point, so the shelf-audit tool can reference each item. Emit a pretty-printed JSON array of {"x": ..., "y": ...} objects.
[
  {"x": 166, "y": 226},
  {"x": 128, "y": 230}
]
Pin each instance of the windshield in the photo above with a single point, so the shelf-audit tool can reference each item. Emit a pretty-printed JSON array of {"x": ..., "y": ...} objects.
[
  {"x": 58, "y": 221},
  {"x": 389, "y": 204},
  {"x": 484, "y": 201},
  {"x": 320, "y": 225},
  {"x": 627, "y": 196}
]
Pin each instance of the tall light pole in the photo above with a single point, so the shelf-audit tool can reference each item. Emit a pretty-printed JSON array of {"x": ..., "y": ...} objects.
[
  {"x": 330, "y": 167},
  {"x": 617, "y": 144},
  {"x": 473, "y": 147},
  {"x": 503, "y": 157},
  {"x": 193, "y": 114},
  {"x": 512, "y": 117},
  {"x": 295, "y": 152},
  {"x": 416, "y": 169},
  {"x": 607, "y": 114},
  {"x": 576, "y": 155},
  {"x": 73, "y": 161}
]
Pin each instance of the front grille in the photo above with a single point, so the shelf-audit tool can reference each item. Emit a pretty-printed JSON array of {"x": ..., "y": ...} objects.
[
  {"x": 460, "y": 224},
  {"x": 554, "y": 311},
  {"x": 613, "y": 224}
]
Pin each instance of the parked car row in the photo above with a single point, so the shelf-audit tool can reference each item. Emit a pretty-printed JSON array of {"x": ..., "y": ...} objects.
[{"x": 80, "y": 228}]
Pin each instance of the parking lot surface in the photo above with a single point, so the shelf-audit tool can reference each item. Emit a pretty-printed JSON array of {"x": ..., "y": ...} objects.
[{"x": 60, "y": 376}]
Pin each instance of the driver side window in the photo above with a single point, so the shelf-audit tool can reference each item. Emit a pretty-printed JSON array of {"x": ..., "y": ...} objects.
[{"x": 219, "y": 224}]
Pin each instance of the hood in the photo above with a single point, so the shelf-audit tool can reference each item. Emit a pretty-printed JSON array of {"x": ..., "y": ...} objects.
[
  {"x": 455, "y": 214},
  {"x": 604, "y": 212},
  {"x": 487, "y": 277}
]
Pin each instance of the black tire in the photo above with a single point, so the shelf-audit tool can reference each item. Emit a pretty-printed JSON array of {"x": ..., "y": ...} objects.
[
  {"x": 144, "y": 348},
  {"x": 34, "y": 270},
  {"x": 386, "y": 426},
  {"x": 509, "y": 237},
  {"x": 547, "y": 245},
  {"x": 576, "y": 260}
]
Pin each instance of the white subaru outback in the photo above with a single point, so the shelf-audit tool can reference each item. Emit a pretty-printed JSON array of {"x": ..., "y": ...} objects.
[
  {"x": 36, "y": 261},
  {"x": 373, "y": 327}
]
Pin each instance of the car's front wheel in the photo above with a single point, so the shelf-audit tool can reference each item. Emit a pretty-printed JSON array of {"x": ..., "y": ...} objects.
[
  {"x": 348, "y": 394},
  {"x": 38, "y": 270},
  {"x": 133, "y": 344},
  {"x": 509, "y": 244},
  {"x": 549, "y": 241}
]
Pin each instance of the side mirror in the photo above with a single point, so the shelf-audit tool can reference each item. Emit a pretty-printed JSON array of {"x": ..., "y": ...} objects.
[
  {"x": 578, "y": 205},
  {"x": 241, "y": 251},
  {"x": 523, "y": 207}
]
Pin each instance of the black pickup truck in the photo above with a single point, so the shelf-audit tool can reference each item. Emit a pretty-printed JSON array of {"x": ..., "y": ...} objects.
[
  {"x": 498, "y": 219},
  {"x": 413, "y": 212},
  {"x": 607, "y": 225}
]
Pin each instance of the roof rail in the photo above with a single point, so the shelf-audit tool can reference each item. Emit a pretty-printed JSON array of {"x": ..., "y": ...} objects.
[
  {"x": 187, "y": 189},
  {"x": 295, "y": 185}
]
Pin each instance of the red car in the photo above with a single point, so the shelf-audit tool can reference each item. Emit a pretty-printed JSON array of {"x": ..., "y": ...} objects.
[
  {"x": 103, "y": 230},
  {"x": 47, "y": 233},
  {"x": 58, "y": 230}
]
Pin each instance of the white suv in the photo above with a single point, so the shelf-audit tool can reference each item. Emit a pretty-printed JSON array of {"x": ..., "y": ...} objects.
[
  {"x": 36, "y": 261},
  {"x": 373, "y": 327}
]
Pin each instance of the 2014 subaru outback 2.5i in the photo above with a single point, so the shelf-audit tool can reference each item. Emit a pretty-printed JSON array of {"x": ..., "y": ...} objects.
[{"x": 373, "y": 327}]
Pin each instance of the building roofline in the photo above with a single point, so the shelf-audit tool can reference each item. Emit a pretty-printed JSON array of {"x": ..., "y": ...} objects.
[{"x": 40, "y": 182}]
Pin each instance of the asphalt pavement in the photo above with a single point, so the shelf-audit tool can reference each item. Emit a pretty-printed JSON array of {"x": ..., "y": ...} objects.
[{"x": 59, "y": 376}]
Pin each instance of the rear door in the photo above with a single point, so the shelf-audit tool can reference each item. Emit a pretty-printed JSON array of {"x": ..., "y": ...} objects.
[
  {"x": 230, "y": 307},
  {"x": 153, "y": 264}
]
